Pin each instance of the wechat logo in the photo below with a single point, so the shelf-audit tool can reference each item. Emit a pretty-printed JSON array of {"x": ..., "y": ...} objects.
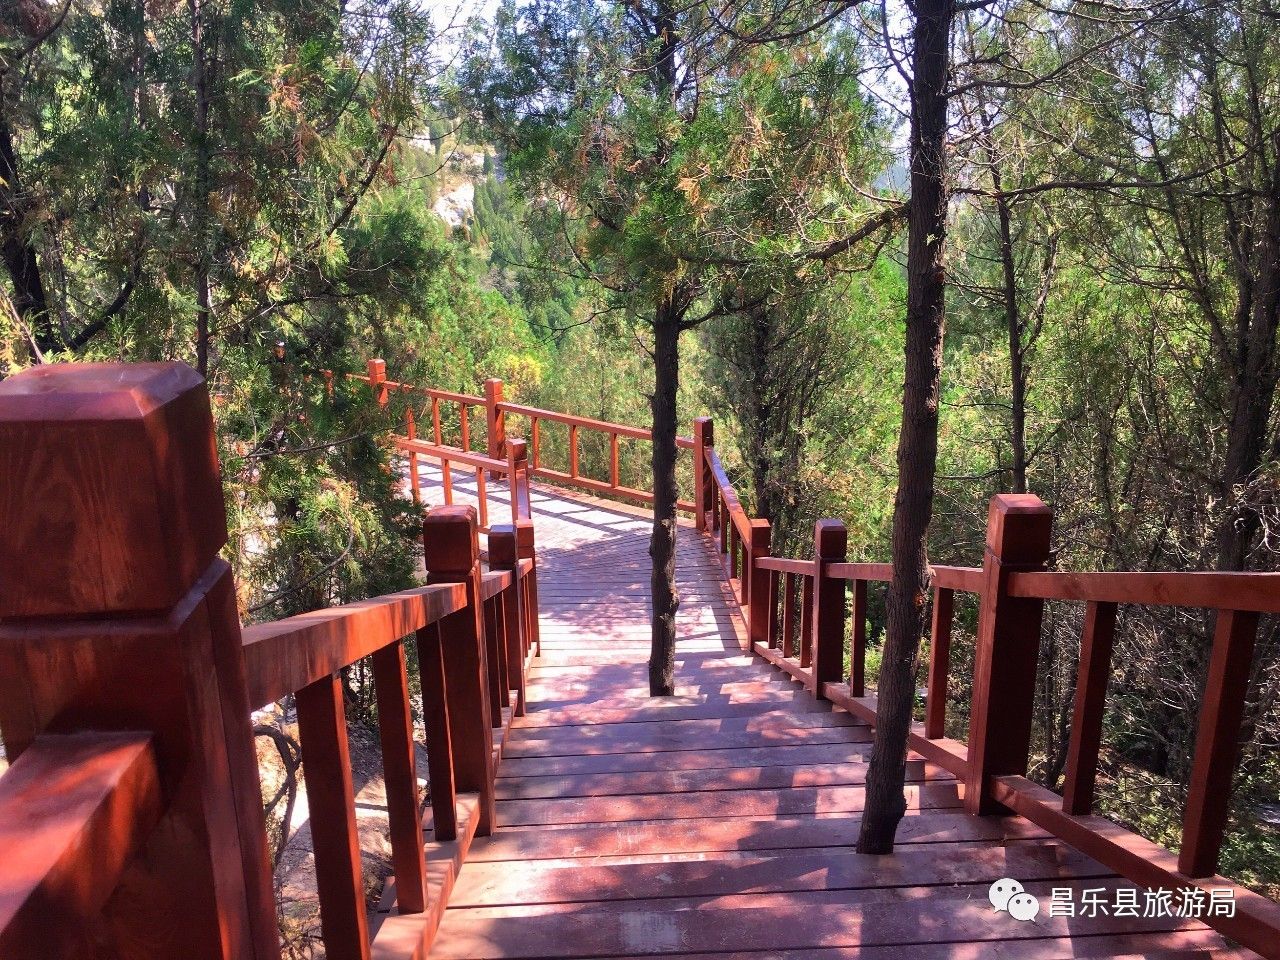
[{"x": 1007, "y": 894}]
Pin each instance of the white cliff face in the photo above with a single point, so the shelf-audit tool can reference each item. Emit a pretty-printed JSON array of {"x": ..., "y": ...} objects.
[{"x": 457, "y": 206}]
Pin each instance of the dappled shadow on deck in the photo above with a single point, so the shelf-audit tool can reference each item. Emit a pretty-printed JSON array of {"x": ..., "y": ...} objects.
[{"x": 721, "y": 822}]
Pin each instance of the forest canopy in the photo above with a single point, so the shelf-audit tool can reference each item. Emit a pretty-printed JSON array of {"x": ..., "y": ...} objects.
[{"x": 907, "y": 256}]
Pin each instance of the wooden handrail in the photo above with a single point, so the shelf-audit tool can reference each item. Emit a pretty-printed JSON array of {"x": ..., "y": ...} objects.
[
  {"x": 801, "y": 568},
  {"x": 286, "y": 655},
  {"x": 1256, "y": 592},
  {"x": 137, "y": 628},
  {"x": 74, "y": 811}
]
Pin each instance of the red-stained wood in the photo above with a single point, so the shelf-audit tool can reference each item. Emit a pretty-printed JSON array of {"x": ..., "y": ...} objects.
[
  {"x": 806, "y": 622},
  {"x": 703, "y": 482},
  {"x": 464, "y": 424},
  {"x": 1217, "y": 743},
  {"x": 495, "y": 660},
  {"x": 573, "y": 450},
  {"x": 772, "y": 639},
  {"x": 1255, "y": 919},
  {"x": 935, "y": 711},
  {"x": 1257, "y": 592},
  {"x": 452, "y": 555},
  {"x": 118, "y": 614},
  {"x": 435, "y": 722},
  {"x": 326, "y": 768},
  {"x": 400, "y": 776},
  {"x": 504, "y": 555},
  {"x": 858, "y": 640},
  {"x": 535, "y": 439},
  {"x": 964, "y": 579},
  {"x": 415, "y": 482},
  {"x": 1090, "y": 700},
  {"x": 495, "y": 419},
  {"x": 377, "y": 379},
  {"x": 830, "y": 546},
  {"x": 74, "y": 810},
  {"x": 881, "y": 572},
  {"x": 789, "y": 616},
  {"x": 1018, "y": 527},
  {"x": 756, "y": 578},
  {"x": 286, "y": 655}
]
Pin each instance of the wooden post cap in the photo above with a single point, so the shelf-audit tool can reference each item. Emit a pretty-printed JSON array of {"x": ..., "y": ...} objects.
[
  {"x": 517, "y": 449},
  {"x": 503, "y": 552},
  {"x": 703, "y": 426},
  {"x": 830, "y": 539},
  {"x": 450, "y": 540},
  {"x": 110, "y": 496},
  {"x": 1019, "y": 527}
]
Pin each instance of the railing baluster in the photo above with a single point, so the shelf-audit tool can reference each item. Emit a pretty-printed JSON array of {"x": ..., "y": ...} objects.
[
  {"x": 435, "y": 421},
  {"x": 613, "y": 461},
  {"x": 464, "y": 419},
  {"x": 452, "y": 555},
  {"x": 482, "y": 498},
  {"x": 789, "y": 617},
  {"x": 411, "y": 431},
  {"x": 1217, "y": 743},
  {"x": 858, "y": 641},
  {"x": 326, "y": 769},
  {"x": 400, "y": 772},
  {"x": 435, "y": 722},
  {"x": 772, "y": 638},
  {"x": 1090, "y": 700},
  {"x": 503, "y": 555},
  {"x": 573, "y": 450},
  {"x": 446, "y": 479},
  {"x": 935, "y": 709},
  {"x": 495, "y": 661},
  {"x": 704, "y": 484},
  {"x": 806, "y": 621}
]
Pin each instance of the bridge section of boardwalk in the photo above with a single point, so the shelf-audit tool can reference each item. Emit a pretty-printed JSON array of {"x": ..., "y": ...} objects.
[{"x": 723, "y": 820}]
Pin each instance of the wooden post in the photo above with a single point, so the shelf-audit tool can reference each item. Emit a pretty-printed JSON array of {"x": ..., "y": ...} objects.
[
  {"x": 518, "y": 480},
  {"x": 451, "y": 546},
  {"x": 411, "y": 431},
  {"x": 116, "y": 613},
  {"x": 756, "y": 579},
  {"x": 830, "y": 545},
  {"x": 704, "y": 486},
  {"x": 1090, "y": 702},
  {"x": 1018, "y": 529},
  {"x": 495, "y": 419},
  {"x": 504, "y": 555},
  {"x": 377, "y": 381}
]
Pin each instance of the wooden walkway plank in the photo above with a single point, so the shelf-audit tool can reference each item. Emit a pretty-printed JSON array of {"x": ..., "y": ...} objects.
[{"x": 721, "y": 822}]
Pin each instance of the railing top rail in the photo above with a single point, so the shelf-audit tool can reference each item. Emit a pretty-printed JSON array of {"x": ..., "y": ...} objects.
[
  {"x": 803, "y": 568},
  {"x": 602, "y": 426},
  {"x": 453, "y": 396},
  {"x": 736, "y": 511},
  {"x": 494, "y": 582},
  {"x": 74, "y": 809},
  {"x": 453, "y": 454},
  {"x": 1253, "y": 592},
  {"x": 286, "y": 655}
]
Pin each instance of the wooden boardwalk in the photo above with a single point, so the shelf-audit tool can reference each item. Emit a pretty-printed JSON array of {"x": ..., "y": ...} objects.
[{"x": 721, "y": 822}]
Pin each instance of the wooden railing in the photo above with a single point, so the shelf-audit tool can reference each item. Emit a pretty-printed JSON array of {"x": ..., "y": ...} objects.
[
  {"x": 497, "y": 411},
  {"x": 133, "y": 813},
  {"x": 810, "y": 644}
]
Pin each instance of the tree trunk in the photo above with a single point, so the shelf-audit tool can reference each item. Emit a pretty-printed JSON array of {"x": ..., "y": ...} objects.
[
  {"x": 1254, "y": 388},
  {"x": 203, "y": 184},
  {"x": 29, "y": 299},
  {"x": 918, "y": 439},
  {"x": 1013, "y": 325},
  {"x": 662, "y": 545}
]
